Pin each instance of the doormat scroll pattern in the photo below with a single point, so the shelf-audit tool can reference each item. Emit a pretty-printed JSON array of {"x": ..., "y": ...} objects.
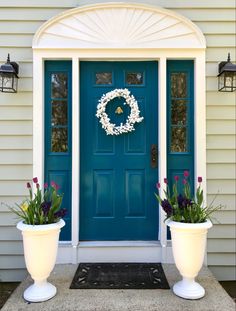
[{"x": 119, "y": 276}]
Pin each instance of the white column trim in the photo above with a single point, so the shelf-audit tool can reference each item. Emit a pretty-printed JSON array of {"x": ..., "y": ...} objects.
[
  {"x": 38, "y": 118},
  {"x": 200, "y": 119},
  {"x": 162, "y": 148},
  {"x": 200, "y": 125},
  {"x": 75, "y": 157}
]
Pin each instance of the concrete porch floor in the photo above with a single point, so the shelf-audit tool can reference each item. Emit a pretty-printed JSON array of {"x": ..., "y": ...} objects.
[{"x": 216, "y": 298}]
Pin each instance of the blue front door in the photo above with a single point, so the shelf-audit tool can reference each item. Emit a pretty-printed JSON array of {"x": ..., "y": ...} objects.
[{"x": 118, "y": 173}]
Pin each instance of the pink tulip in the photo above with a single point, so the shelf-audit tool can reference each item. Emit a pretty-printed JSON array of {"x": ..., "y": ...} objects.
[
  {"x": 186, "y": 173},
  {"x": 165, "y": 180},
  {"x": 54, "y": 185},
  {"x": 184, "y": 181},
  {"x": 176, "y": 178},
  {"x": 158, "y": 185}
]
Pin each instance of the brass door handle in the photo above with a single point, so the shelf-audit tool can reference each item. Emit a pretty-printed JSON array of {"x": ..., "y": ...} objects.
[{"x": 154, "y": 156}]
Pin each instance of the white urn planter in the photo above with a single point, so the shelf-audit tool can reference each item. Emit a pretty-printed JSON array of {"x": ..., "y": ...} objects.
[
  {"x": 188, "y": 244},
  {"x": 40, "y": 251}
]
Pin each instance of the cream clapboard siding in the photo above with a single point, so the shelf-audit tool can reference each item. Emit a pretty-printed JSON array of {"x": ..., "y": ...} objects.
[{"x": 18, "y": 22}]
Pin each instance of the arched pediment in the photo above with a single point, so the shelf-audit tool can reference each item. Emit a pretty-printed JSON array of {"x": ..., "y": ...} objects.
[{"x": 118, "y": 25}]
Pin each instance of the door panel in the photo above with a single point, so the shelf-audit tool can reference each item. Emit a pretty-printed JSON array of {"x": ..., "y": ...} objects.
[
  {"x": 180, "y": 120},
  {"x": 134, "y": 184},
  {"x": 58, "y": 133},
  {"x": 103, "y": 200},
  {"x": 117, "y": 180}
]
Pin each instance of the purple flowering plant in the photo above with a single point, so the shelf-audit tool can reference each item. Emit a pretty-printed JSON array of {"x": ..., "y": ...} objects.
[
  {"x": 183, "y": 206},
  {"x": 43, "y": 205}
]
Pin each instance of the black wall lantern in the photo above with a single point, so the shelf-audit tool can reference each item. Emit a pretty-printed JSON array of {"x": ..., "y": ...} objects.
[
  {"x": 9, "y": 76},
  {"x": 227, "y": 76}
]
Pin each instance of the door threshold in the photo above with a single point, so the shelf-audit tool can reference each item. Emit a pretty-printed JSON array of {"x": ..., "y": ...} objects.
[
  {"x": 119, "y": 244},
  {"x": 119, "y": 251},
  {"x": 114, "y": 251}
]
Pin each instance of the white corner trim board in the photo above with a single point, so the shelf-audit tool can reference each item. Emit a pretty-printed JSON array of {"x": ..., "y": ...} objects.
[
  {"x": 117, "y": 31},
  {"x": 118, "y": 25}
]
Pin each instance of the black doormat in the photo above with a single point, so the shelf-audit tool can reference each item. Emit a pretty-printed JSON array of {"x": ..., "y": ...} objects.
[{"x": 119, "y": 276}]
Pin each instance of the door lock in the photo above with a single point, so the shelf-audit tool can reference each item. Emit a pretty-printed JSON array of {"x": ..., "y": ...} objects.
[{"x": 154, "y": 156}]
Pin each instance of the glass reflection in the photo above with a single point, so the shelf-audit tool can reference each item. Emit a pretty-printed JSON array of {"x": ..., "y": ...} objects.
[
  {"x": 59, "y": 85},
  {"x": 59, "y": 113},
  {"x": 103, "y": 78},
  {"x": 59, "y": 141},
  {"x": 135, "y": 78},
  {"x": 178, "y": 139},
  {"x": 179, "y": 85},
  {"x": 178, "y": 112}
]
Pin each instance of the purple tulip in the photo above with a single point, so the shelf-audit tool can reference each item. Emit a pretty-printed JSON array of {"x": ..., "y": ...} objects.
[
  {"x": 180, "y": 200},
  {"x": 184, "y": 181},
  {"x": 165, "y": 180},
  {"x": 183, "y": 202},
  {"x": 35, "y": 180},
  {"x": 28, "y": 185},
  {"x": 61, "y": 213},
  {"x": 45, "y": 185},
  {"x": 158, "y": 185},
  {"x": 46, "y": 207},
  {"x": 167, "y": 207},
  {"x": 199, "y": 179}
]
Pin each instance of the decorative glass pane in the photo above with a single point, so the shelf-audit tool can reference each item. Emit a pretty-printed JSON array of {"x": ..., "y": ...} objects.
[
  {"x": 59, "y": 112},
  {"x": 103, "y": 78},
  {"x": 135, "y": 78},
  {"x": 59, "y": 141},
  {"x": 178, "y": 112},
  {"x": 59, "y": 85},
  {"x": 178, "y": 139},
  {"x": 178, "y": 85}
]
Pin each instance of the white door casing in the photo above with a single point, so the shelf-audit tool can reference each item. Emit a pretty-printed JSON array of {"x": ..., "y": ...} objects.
[{"x": 117, "y": 31}]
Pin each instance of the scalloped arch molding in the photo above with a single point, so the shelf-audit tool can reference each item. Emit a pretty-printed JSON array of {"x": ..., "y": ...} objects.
[{"x": 118, "y": 25}]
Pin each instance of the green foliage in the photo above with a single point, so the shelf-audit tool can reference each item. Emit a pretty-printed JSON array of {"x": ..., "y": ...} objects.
[
  {"x": 42, "y": 206},
  {"x": 182, "y": 206}
]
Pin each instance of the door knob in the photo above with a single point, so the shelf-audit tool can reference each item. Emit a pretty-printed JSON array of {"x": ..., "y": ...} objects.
[{"x": 154, "y": 156}]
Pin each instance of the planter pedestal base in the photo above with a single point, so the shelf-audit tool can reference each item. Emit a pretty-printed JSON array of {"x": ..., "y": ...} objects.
[
  {"x": 40, "y": 291},
  {"x": 188, "y": 289},
  {"x": 189, "y": 244},
  {"x": 40, "y": 251}
]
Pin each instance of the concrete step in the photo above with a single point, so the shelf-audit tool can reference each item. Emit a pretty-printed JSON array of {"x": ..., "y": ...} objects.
[{"x": 216, "y": 298}]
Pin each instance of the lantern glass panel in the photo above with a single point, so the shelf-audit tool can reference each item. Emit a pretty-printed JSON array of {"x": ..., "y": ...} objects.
[
  {"x": 8, "y": 83},
  {"x": 221, "y": 82},
  {"x": 229, "y": 78},
  {"x": 227, "y": 81}
]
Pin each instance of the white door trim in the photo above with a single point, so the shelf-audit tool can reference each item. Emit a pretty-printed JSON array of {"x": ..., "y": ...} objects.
[{"x": 42, "y": 52}]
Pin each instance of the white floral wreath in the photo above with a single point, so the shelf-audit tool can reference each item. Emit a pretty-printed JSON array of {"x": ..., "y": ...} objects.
[{"x": 134, "y": 117}]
